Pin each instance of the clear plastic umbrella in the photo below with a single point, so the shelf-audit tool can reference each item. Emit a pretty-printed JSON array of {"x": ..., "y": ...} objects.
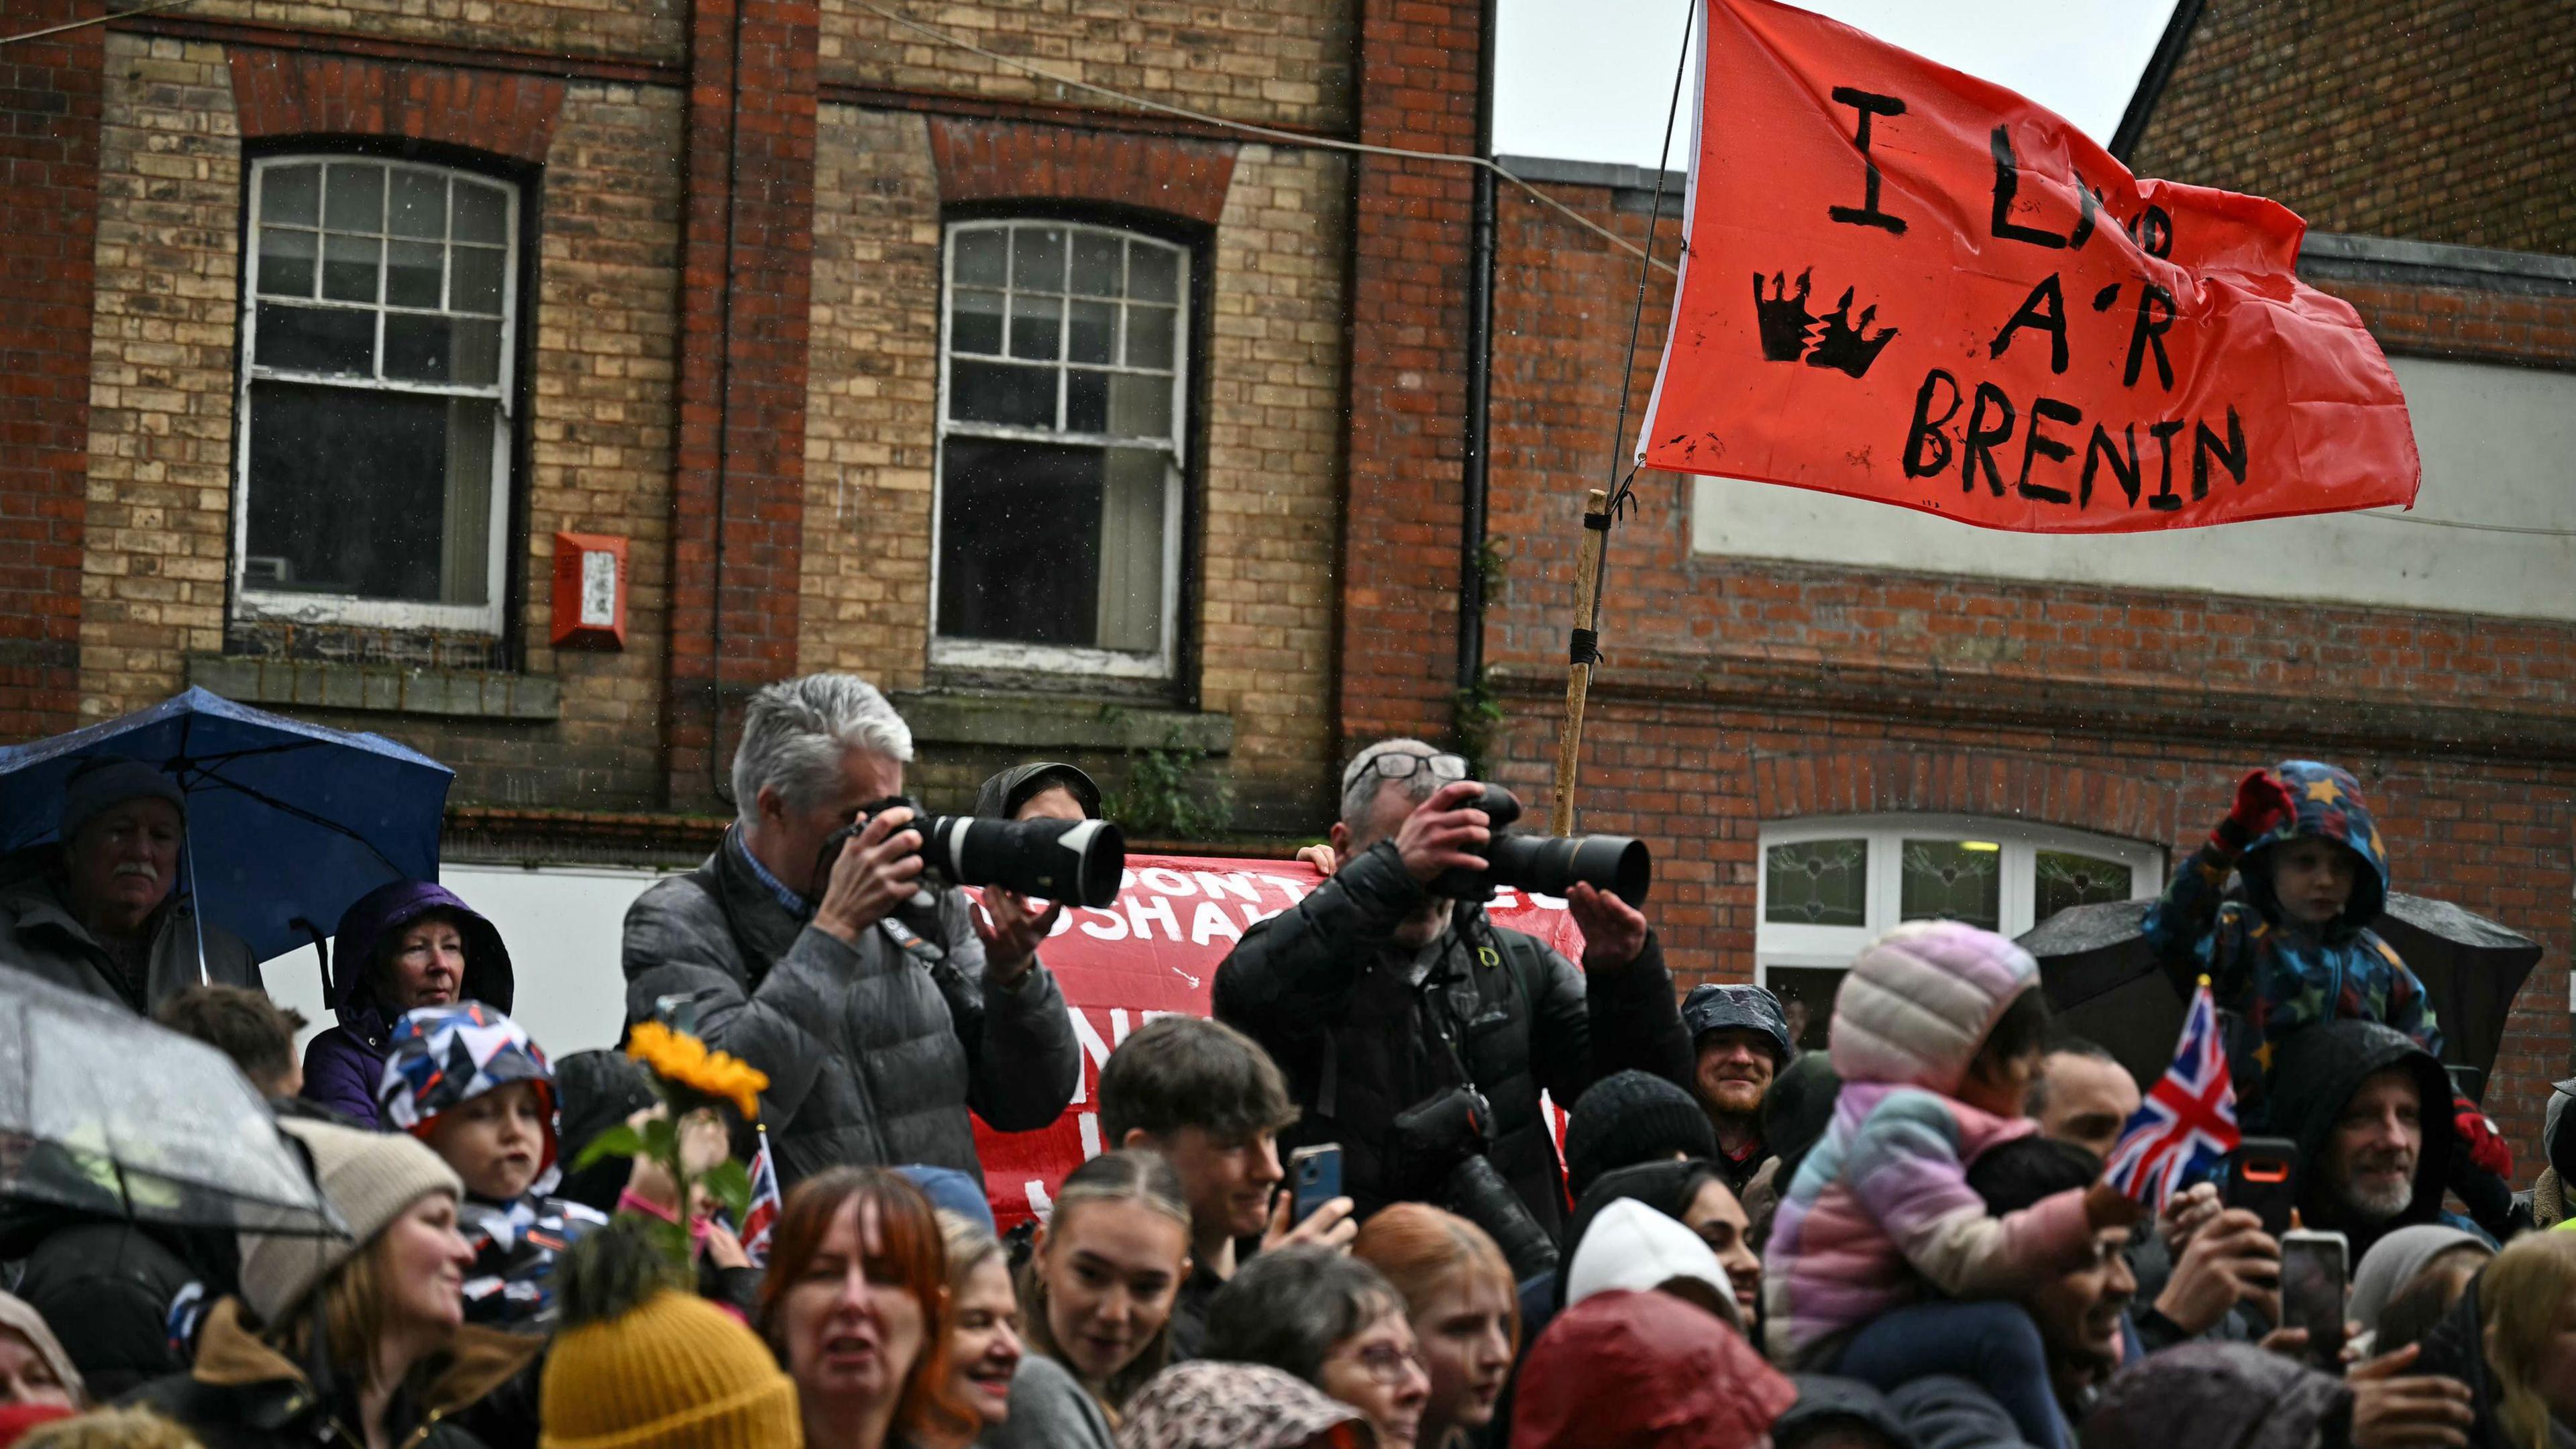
[{"x": 102, "y": 1111}]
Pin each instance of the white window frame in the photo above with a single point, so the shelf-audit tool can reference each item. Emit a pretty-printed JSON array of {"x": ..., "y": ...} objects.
[
  {"x": 1014, "y": 657},
  {"x": 1833, "y": 947},
  {"x": 301, "y": 607}
]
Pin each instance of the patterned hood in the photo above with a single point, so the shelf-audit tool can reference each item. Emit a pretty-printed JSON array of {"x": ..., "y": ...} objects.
[
  {"x": 443, "y": 1055},
  {"x": 2329, "y": 808}
]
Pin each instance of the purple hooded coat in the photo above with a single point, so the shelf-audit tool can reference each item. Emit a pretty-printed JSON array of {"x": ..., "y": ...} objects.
[{"x": 343, "y": 1065}]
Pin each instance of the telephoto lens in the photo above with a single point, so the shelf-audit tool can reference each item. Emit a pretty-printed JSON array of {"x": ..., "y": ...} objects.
[
  {"x": 1077, "y": 861},
  {"x": 1547, "y": 864}
]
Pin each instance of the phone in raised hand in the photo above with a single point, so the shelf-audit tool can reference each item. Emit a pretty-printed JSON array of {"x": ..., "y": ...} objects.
[{"x": 1315, "y": 1178}]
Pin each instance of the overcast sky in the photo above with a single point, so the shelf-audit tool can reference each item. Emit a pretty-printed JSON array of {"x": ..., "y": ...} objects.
[{"x": 1590, "y": 80}]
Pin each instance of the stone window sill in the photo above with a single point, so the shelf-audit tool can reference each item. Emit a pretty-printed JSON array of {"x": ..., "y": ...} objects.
[
  {"x": 379, "y": 688},
  {"x": 1041, "y": 722}
]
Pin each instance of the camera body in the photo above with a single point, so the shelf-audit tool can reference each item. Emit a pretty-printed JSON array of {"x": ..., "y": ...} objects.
[
  {"x": 1080, "y": 862},
  {"x": 1546, "y": 864},
  {"x": 1438, "y": 1154}
]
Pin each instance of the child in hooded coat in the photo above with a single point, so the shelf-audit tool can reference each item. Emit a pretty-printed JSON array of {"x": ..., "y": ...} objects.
[
  {"x": 467, "y": 1081},
  {"x": 1884, "y": 1264}
]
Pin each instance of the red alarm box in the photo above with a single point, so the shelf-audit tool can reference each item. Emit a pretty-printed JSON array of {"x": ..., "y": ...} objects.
[{"x": 590, "y": 591}]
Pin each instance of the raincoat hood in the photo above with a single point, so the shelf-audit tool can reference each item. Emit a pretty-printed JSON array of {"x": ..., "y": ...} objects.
[
  {"x": 1667, "y": 1187},
  {"x": 1712, "y": 1006},
  {"x": 2329, "y": 807},
  {"x": 1624, "y": 1370},
  {"x": 381, "y": 914},
  {"x": 2561, "y": 1151},
  {"x": 1632, "y": 1246},
  {"x": 1919, "y": 1002},
  {"x": 1003, "y": 794},
  {"x": 2394, "y": 1260},
  {"x": 2216, "y": 1393},
  {"x": 17, "y": 1317},
  {"x": 441, "y": 1056},
  {"x": 2316, "y": 1072}
]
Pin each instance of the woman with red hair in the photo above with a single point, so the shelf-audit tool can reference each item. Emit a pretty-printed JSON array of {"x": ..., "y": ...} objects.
[
  {"x": 1458, "y": 1292},
  {"x": 855, "y": 1305}
]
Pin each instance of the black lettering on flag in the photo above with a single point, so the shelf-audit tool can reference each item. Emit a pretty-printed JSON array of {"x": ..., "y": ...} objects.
[
  {"x": 2165, "y": 500},
  {"x": 2090, "y": 205},
  {"x": 2205, "y": 446},
  {"x": 2008, "y": 181},
  {"x": 1867, "y": 213},
  {"x": 2051, "y": 318},
  {"x": 2100, "y": 451},
  {"x": 1926, "y": 432},
  {"x": 2046, "y": 410},
  {"x": 1982, "y": 440},
  {"x": 2154, "y": 319},
  {"x": 2152, "y": 230}
]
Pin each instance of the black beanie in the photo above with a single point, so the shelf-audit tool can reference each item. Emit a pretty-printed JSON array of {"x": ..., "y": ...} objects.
[{"x": 1632, "y": 1117}]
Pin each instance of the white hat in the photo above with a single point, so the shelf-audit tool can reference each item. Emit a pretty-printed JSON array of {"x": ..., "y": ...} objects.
[{"x": 1630, "y": 1245}]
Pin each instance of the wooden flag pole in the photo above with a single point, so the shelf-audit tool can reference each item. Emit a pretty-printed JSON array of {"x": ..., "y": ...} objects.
[{"x": 1583, "y": 653}]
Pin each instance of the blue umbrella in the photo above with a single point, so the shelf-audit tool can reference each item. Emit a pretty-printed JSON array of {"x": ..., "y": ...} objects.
[{"x": 288, "y": 823}]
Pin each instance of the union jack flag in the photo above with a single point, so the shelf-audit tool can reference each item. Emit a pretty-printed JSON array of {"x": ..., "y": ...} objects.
[
  {"x": 2187, "y": 1123},
  {"x": 762, "y": 1215}
]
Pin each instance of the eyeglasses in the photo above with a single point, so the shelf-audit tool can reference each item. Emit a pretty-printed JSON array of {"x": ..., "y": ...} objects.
[
  {"x": 1387, "y": 1364},
  {"x": 1397, "y": 765}
]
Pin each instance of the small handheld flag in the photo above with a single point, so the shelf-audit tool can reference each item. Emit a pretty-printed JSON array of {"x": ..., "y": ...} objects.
[
  {"x": 2188, "y": 1120},
  {"x": 763, "y": 1212}
]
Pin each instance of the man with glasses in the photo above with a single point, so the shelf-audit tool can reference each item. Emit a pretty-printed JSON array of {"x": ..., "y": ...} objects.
[{"x": 1375, "y": 996}]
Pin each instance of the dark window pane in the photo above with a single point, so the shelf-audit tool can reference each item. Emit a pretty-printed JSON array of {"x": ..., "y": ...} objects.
[
  {"x": 1019, "y": 542},
  {"x": 1817, "y": 883},
  {"x": 418, "y": 349},
  {"x": 353, "y": 199},
  {"x": 478, "y": 352},
  {"x": 317, "y": 339},
  {"x": 1037, "y": 327},
  {"x": 477, "y": 279},
  {"x": 348, "y": 490},
  {"x": 975, "y": 322},
  {"x": 1095, "y": 264},
  {"x": 1954, "y": 880},
  {"x": 979, "y": 258},
  {"x": 291, "y": 195},
  {"x": 482, "y": 213},
  {"x": 1095, "y": 333},
  {"x": 418, "y": 206},
  {"x": 349, "y": 267},
  {"x": 996, "y": 392},
  {"x": 1807, "y": 997},
  {"x": 412, "y": 273},
  {"x": 1149, "y": 336},
  {"x": 1153, "y": 274},
  {"x": 1037, "y": 258},
  {"x": 286, "y": 262},
  {"x": 1086, "y": 400},
  {"x": 2066, "y": 878}
]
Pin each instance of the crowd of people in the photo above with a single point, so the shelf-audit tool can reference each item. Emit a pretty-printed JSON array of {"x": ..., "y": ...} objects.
[{"x": 1904, "y": 1241}]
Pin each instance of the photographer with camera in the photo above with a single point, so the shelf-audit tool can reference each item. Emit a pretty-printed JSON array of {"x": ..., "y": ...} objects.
[
  {"x": 1415, "y": 1032},
  {"x": 881, "y": 1011}
]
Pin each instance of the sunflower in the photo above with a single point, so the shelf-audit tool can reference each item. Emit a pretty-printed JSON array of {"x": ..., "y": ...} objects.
[{"x": 683, "y": 1060}]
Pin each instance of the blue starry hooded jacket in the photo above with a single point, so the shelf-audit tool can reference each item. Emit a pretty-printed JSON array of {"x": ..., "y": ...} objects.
[{"x": 2273, "y": 974}]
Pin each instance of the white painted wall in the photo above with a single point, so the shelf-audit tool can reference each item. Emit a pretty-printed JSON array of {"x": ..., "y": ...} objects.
[
  {"x": 562, "y": 924},
  {"x": 2499, "y": 448}
]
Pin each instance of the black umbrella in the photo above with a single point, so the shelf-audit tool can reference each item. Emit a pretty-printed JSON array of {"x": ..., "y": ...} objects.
[
  {"x": 2103, "y": 981},
  {"x": 104, "y": 1112}
]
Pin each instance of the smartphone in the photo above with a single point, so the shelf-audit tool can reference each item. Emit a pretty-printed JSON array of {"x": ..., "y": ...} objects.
[
  {"x": 2262, "y": 1176},
  {"x": 2314, "y": 1267},
  {"x": 1315, "y": 1176}
]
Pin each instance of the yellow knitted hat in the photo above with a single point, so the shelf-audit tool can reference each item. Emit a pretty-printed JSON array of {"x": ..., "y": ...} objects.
[{"x": 675, "y": 1372}]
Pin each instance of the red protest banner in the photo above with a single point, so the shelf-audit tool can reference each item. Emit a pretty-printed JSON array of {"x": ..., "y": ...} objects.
[
  {"x": 1960, "y": 304},
  {"x": 1154, "y": 953}
]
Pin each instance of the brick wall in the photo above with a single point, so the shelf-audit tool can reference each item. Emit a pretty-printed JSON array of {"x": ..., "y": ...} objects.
[
  {"x": 1408, "y": 319},
  {"x": 49, "y": 140},
  {"x": 2440, "y": 120},
  {"x": 651, "y": 30},
  {"x": 1284, "y": 64}
]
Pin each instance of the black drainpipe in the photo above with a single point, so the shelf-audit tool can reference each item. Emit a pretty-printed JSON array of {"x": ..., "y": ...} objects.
[{"x": 1480, "y": 369}]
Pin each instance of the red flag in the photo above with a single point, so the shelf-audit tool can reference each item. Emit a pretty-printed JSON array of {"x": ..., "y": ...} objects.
[
  {"x": 1153, "y": 953},
  {"x": 1905, "y": 284}
]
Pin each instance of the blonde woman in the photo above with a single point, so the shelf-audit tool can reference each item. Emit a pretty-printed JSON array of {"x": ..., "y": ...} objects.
[
  {"x": 1098, "y": 1295},
  {"x": 2527, "y": 1315},
  {"x": 1459, "y": 1295}
]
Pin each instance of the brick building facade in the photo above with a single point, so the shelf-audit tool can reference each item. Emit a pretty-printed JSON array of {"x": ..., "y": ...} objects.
[{"x": 739, "y": 262}]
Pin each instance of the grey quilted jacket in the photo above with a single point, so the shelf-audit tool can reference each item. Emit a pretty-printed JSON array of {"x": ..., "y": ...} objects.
[{"x": 872, "y": 1058}]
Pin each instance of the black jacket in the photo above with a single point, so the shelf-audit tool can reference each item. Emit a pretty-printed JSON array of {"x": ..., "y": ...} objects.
[
  {"x": 244, "y": 1394},
  {"x": 1328, "y": 994},
  {"x": 2316, "y": 1072},
  {"x": 107, "y": 1287},
  {"x": 872, "y": 1059}
]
